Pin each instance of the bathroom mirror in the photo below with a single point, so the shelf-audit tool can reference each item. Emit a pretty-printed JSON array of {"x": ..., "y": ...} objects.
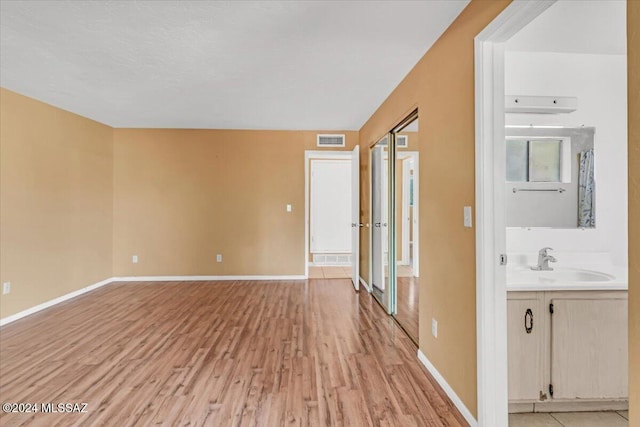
[{"x": 550, "y": 177}]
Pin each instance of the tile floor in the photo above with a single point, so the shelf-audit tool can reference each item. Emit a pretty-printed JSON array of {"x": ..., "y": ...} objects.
[
  {"x": 338, "y": 272},
  {"x": 570, "y": 419}
]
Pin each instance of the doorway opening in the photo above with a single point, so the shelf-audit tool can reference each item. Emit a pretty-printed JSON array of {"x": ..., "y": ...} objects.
[
  {"x": 538, "y": 157},
  {"x": 331, "y": 202}
]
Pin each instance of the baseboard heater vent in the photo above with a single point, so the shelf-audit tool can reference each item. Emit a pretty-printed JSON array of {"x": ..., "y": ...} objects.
[{"x": 331, "y": 259}]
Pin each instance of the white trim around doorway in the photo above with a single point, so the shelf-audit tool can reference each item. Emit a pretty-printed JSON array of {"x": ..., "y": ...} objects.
[
  {"x": 415, "y": 238},
  {"x": 491, "y": 295},
  {"x": 308, "y": 155}
]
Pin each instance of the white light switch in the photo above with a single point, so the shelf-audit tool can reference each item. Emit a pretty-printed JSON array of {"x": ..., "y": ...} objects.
[
  {"x": 434, "y": 328},
  {"x": 134, "y": 259},
  {"x": 6, "y": 287},
  {"x": 288, "y": 208},
  {"x": 467, "y": 216},
  {"x": 219, "y": 258}
]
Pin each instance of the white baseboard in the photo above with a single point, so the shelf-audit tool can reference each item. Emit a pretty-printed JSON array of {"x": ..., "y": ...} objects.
[
  {"x": 319, "y": 264},
  {"x": 365, "y": 284},
  {"x": 203, "y": 278},
  {"x": 39, "y": 307},
  {"x": 448, "y": 390}
]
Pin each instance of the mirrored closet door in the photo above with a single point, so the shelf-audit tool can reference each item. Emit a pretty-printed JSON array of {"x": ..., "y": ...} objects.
[
  {"x": 381, "y": 286},
  {"x": 394, "y": 223},
  {"x": 406, "y": 225}
]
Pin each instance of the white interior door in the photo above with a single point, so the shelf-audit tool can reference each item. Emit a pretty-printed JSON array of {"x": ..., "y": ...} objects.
[
  {"x": 377, "y": 252},
  {"x": 406, "y": 217},
  {"x": 330, "y": 206},
  {"x": 355, "y": 217}
]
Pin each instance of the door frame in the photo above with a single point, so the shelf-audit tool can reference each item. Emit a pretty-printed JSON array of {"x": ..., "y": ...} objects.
[
  {"x": 415, "y": 155},
  {"x": 491, "y": 293},
  {"x": 406, "y": 223},
  {"x": 369, "y": 224},
  {"x": 308, "y": 155}
]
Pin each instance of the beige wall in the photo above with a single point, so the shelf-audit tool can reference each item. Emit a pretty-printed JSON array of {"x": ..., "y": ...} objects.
[
  {"x": 183, "y": 196},
  {"x": 55, "y": 202},
  {"x": 441, "y": 85},
  {"x": 633, "y": 64}
]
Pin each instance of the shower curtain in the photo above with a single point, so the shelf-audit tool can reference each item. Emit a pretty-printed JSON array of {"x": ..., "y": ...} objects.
[{"x": 586, "y": 189}]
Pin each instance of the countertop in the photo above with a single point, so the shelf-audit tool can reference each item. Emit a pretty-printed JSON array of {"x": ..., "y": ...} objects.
[{"x": 519, "y": 279}]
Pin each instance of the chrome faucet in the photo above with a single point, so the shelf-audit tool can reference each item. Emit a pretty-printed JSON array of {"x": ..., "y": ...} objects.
[{"x": 544, "y": 259}]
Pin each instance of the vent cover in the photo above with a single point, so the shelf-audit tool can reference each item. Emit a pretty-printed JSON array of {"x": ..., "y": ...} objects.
[
  {"x": 330, "y": 140},
  {"x": 402, "y": 141},
  {"x": 331, "y": 259}
]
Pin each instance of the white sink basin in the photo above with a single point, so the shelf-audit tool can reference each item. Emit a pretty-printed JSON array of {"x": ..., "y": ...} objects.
[{"x": 557, "y": 275}]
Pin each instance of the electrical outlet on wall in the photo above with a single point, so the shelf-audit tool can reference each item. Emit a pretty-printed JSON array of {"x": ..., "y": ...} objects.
[
  {"x": 219, "y": 258},
  {"x": 434, "y": 328},
  {"x": 134, "y": 259},
  {"x": 6, "y": 288},
  {"x": 288, "y": 208}
]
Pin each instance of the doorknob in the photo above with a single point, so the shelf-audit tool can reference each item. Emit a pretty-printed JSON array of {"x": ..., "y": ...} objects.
[
  {"x": 356, "y": 224},
  {"x": 361, "y": 225}
]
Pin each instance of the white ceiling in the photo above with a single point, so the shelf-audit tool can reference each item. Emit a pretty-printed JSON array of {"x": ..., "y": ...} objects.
[
  {"x": 217, "y": 64},
  {"x": 576, "y": 26}
]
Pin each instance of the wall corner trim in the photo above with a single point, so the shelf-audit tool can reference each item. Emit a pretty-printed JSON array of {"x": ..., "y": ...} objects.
[
  {"x": 50, "y": 303},
  {"x": 366, "y": 286},
  {"x": 204, "y": 278},
  {"x": 447, "y": 389}
]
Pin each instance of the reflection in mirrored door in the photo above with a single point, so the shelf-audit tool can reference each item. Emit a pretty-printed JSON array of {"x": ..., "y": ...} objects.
[
  {"x": 406, "y": 225},
  {"x": 380, "y": 223}
]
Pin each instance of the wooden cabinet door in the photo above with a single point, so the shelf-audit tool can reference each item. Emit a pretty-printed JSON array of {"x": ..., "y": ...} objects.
[
  {"x": 589, "y": 358},
  {"x": 525, "y": 349}
]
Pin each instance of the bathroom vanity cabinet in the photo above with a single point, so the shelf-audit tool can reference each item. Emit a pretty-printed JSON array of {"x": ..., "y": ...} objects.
[{"x": 567, "y": 350}]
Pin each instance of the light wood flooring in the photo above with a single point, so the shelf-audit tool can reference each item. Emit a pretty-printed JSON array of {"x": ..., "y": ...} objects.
[
  {"x": 407, "y": 306},
  {"x": 231, "y": 353}
]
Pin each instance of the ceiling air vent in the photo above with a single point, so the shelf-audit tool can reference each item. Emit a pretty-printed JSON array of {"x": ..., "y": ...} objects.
[
  {"x": 402, "y": 141},
  {"x": 330, "y": 140}
]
